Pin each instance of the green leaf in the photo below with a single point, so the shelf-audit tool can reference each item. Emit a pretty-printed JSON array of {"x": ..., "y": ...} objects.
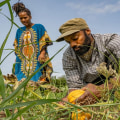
[
  {"x": 6, "y": 57},
  {"x": 2, "y": 86},
  {"x": 4, "y": 2},
  {"x": 7, "y": 112},
  {"x": 4, "y": 42},
  {"x": 10, "y": 10},
  {"x": 119, "y": 118},
  {"x": 23, "y": 110},
  {"x": 38, "y": 102}
]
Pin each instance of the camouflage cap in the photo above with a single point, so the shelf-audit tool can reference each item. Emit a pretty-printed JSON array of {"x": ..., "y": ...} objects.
[{"x": 72, "y": 26}]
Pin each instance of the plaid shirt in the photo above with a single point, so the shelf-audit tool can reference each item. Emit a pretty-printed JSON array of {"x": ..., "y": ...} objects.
[{"x": 79, "y": 71}]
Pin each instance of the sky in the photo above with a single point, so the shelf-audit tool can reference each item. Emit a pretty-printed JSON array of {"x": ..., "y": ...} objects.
[{"x": 102, "y": 16}]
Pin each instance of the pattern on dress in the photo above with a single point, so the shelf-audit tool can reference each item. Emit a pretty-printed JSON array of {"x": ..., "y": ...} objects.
[{"x": 27, "y": 51}]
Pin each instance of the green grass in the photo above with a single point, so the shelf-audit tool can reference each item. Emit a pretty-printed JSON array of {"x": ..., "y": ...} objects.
[
  {"x": 105, "y": 109},
  {"x": 42, "y": 103}
]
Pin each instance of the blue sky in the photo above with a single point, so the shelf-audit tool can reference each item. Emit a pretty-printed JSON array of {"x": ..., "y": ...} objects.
[{"x": 102, "y": 16}]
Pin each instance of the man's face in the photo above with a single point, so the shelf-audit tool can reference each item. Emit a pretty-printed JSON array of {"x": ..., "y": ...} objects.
[{"x": 79, "y": 41}]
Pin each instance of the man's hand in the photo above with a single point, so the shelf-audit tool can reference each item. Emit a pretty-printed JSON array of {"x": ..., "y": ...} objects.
[{"x": 91, "y": 95}]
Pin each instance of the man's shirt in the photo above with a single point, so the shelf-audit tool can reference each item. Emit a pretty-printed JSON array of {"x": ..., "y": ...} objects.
[{"x": 79, "y": 71}]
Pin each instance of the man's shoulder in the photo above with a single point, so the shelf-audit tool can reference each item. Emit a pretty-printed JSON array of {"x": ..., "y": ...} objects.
[{"x": 104, "y": 36}]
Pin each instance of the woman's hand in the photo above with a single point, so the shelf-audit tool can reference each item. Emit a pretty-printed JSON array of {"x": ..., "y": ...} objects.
[{"x": 42, "y": 57}]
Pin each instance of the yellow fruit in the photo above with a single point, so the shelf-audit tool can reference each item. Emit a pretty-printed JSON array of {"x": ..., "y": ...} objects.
[
  {"x": 80, "y": 116},
  {"x": 72, "y": 96}
]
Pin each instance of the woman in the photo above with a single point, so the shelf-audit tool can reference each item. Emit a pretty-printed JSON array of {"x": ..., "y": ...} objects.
[{"x": 31, "y": 47}]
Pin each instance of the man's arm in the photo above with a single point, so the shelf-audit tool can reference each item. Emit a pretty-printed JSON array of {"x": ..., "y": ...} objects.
[
  {"x": 70, "y": 66},
  {"x": 113, "y": 48},
  {"x": 112, "y": 43}
]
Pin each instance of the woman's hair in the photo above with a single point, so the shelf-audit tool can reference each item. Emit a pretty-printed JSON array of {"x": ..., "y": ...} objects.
[{"x": 20, "y": 7}]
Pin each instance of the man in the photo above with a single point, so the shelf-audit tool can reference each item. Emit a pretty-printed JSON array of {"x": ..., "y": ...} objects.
[{"x": 84, "y": 55}]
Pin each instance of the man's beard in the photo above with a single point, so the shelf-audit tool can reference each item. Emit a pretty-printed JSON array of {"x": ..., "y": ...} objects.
[{"x": 83, "y": 48}]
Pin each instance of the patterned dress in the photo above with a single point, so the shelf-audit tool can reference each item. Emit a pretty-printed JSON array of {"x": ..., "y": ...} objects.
[{"x": 28, "y": 46}]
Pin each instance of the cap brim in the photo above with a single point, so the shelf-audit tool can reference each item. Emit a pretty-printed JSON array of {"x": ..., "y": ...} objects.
[{"x": 61, "y": 38}]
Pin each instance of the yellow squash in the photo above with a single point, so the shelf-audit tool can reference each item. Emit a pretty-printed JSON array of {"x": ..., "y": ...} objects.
[
  {"x": 74, "y": 95},
  {"x": 80, "y": 116}
]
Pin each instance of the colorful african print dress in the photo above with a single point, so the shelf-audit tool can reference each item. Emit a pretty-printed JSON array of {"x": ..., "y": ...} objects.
[{"x": 28, "y": 45}]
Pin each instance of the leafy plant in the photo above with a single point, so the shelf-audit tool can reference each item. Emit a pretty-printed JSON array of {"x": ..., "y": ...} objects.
[{"x": 31, "y": 103}]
